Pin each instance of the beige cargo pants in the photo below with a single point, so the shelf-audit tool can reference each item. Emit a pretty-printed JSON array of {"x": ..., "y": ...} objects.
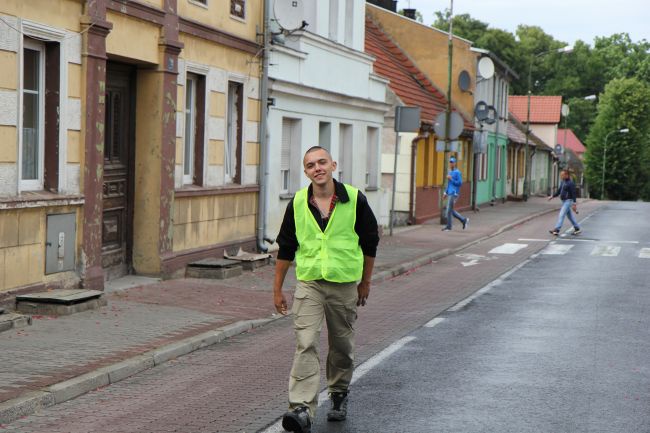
[{"x": 313, "y": 302}]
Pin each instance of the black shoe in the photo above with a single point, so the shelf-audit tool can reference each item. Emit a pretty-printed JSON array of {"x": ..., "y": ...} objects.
[
  {"x": 297, "y": 421},
  {"x": 554, "y": 232},
  {"x": 577, "y": 231},
  {"x": 339, "y": 409}
]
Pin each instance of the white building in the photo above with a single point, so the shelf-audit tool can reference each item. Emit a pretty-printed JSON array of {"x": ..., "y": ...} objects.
[{"x": 323, "y": 92}]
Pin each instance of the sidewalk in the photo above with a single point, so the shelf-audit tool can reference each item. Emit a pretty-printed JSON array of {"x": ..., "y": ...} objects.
[{"x": 57, "y": 359}]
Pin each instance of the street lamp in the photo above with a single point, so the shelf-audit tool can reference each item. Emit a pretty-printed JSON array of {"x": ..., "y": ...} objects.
[
  {"x": 602, "y": 187},
  {"x": 567, "y": 49}
]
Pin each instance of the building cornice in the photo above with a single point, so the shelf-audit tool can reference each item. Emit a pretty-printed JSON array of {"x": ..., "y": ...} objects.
[{"x": 293, "y": 89}]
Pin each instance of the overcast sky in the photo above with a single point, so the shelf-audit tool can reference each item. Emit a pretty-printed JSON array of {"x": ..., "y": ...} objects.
[{"x": 565, "y": 20}]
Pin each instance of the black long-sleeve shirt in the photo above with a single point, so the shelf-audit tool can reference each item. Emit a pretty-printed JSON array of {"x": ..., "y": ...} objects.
[
  {"x": 566, "y": 190},
  {"x": 365, "y": 225}
]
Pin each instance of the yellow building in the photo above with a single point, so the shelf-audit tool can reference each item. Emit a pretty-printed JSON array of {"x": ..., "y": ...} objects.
[
  {"x": 128, "y": 137},
  {"x": 427, "y": 48}
]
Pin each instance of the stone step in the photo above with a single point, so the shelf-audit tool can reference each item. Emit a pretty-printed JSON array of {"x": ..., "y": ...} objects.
[
  {"x": 214, "y": 268},
  {"x": 13, "y": 321},
  {"x": 60, "y": 302}
]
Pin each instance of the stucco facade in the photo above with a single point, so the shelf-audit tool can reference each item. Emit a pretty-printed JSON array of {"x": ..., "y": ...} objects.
[
  {"x": 324, "y": 92},
  {"x": 137, "y": 159}
]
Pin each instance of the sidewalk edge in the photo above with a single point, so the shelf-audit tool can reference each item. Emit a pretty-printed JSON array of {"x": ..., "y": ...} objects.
[{"x": 32, "y": 401}]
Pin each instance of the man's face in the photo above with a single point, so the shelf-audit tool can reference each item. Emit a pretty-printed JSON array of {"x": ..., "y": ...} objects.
[
  {"x": 319, "y": 166},
  {"x": 452, "y": 164},
  {"x": 565, "y": 175}
]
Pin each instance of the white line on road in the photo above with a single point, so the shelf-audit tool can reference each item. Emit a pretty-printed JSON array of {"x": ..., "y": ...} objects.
[
  {"x": 434, "y": 322},
  {"x": 507, "y": 248},
  {"x": 532, "y": 240},
  {"x": 487, "y": 287},
  {"x": 605, "y": 251},
  {"x": 557, "y": 249},
  {"x": 644, "y": 253},
  {"x": 359, "y": 372}
]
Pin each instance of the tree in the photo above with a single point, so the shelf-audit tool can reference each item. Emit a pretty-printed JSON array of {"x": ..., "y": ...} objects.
[{"x": 624, "y": 104}]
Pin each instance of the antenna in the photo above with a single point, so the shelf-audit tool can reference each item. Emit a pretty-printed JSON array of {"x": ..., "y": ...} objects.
[
  {"x": 289, "y": 14},
  {"x": 486, "y": 68}
]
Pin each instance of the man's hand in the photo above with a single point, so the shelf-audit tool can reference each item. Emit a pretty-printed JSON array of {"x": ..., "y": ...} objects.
[
  {"x": 449, "y": 176},
  {"x": 280, "y": 303},
  {"x": 363, "y": 289},
  {"x": 574, "y": 207}
]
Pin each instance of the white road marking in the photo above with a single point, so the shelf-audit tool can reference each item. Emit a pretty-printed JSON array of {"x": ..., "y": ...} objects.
[
  {"x": 605, "y": 251},
  {"x": 474, "y": 259},
  {"x": 507, "y": 248},
  {"x": 573, "y": 239},
  {"x": 532, "y": 240},
  {"x": 487, "y": 287},
  {"x": 434, "y": 322},
  {"x": 359, "y": 372},
  {"x": 556, "y": 249},
  {"x": 644, "y": 253},
  {"x": 470, "y": 263}
]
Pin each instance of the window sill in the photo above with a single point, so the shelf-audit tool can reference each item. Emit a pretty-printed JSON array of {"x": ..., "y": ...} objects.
[
  {"x": 372, "y": 188},
  {"x": 199, "y": 191},
  {"x": 36, "y": 199},
  {"x": 287, "y": 195}
]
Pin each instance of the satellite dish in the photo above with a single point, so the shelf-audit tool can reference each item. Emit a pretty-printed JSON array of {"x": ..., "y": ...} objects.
[
  {"x": 289, "y": 14},
  {"x": 565, "y": 110},
  {"x": 486, "y": 67},
  {"x": 464, "y": 81},
  {"x": 481, "y": 111}
]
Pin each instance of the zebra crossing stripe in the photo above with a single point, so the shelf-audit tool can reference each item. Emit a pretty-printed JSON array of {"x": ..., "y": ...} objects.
[
  {"x": 605, "y": 251},
  {"x": 507, "y": 248},
  {"x": 557, "y": 249},
  {"x": 644, "y": 253}
]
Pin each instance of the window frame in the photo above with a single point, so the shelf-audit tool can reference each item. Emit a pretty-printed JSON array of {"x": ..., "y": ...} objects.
[
  {"x": 232, "y": 7},
  {"x": 189, "y": 149},
  {"x": 372, "y": 157},
  {"x": 236, "y": 164},
  {"x": 33, "y": 184}
]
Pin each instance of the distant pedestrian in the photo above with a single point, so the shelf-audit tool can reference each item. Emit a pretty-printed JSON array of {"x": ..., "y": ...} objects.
[
  {"x": 332, "y": 233},
  {"x": 567, "y": 193},
  {"x": 454, "y": 182}
]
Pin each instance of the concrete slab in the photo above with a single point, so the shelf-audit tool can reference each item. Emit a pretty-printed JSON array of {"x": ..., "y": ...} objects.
[
  {"x": 54, "y": 309},
  {"x": 63, "y": 296},
  {"x": 214, "y": 268},
  {"x": 14, "y": 321}
]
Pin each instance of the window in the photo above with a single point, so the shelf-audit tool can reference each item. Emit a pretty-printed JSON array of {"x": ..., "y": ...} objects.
[
  {"x": 39, "y": 141},
  {"x": 233, "y": 147},
  {"x": 498, "y": 163},
  {"x": 325, "y": 135},
  {"x": 194, "y": 129},
  {"x": 482, "y": 166},
  {"x": 372, "y": 151},
  {"x": 33, "y": 130},
  {"x": 238, "y": 8},
  {"x": 289, "y": 179},
  {"x": 345, "y": 153}
]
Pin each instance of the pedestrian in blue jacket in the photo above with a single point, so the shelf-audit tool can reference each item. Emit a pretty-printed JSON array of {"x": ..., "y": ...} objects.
[
  {"x": 454, "y": 181},
  {"x": 567, "y": 193}
]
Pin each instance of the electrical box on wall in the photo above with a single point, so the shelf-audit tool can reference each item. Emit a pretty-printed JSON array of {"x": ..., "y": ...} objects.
[{"x": 60, "y": 243}]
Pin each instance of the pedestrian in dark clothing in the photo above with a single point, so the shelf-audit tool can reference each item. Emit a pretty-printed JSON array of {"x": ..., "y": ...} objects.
[
  {"x": 331, "y": 232},
  {"x": 454, "y": 181},
  {"x": 567, "y": 193}
]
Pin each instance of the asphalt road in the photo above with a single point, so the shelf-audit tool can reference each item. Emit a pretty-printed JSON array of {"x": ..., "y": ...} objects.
[{"x": 560, "y": 345}]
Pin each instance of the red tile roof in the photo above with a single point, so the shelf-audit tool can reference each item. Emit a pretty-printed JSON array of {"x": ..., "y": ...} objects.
[
  {"x": 543, "y": 109},
  {"x": 572, "y": 142},
  {"x": 406, "y": 80}
]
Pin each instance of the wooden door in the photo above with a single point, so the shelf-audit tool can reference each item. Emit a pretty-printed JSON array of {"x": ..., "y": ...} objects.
[{"x": 118, "y": 169}]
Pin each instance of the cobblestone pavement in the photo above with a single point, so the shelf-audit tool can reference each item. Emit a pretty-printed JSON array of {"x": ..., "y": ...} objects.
[
  {"x": 242, "y": 382},
  {"x": 240, "y": 385}
]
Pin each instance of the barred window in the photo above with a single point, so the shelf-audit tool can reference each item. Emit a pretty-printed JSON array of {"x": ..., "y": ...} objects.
[{"x": 238, "y": 8}]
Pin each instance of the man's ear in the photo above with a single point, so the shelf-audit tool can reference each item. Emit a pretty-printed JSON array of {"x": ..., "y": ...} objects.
[{"x": 333, "y": 165}]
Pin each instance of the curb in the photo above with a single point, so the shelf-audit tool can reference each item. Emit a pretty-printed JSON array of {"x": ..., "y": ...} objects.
[{"x": 32, "y": 401}]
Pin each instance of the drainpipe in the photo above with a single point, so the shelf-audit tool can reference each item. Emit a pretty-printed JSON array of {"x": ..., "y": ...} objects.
[
  {"x": 264, "y": 138},
  {"x": 414, "y": 152}
]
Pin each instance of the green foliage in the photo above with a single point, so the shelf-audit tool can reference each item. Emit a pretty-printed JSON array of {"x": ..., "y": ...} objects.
[{"x": 624, "y": 104}]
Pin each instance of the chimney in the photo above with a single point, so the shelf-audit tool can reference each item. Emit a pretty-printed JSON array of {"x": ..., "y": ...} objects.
[
  {"x": 390, "y": 5},
  {"x": 409, "y": 13}
]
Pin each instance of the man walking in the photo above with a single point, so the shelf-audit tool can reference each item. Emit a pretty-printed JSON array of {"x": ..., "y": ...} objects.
[
  {"x": 331, "y": 232},
  {"x": 567, "y": 193},
  {"x": 454, "y": 181}
]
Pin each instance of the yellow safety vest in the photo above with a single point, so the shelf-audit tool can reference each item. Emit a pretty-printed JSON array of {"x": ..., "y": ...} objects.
[{"x": 333, "y": 255}]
